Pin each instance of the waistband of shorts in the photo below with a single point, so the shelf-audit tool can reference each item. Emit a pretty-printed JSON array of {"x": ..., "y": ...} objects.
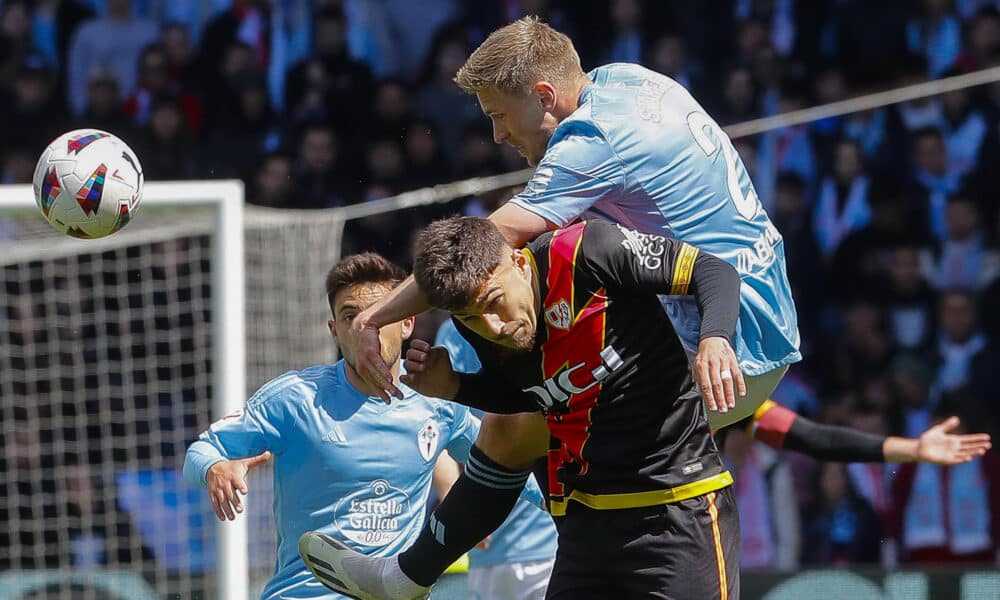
[{"x": 642, "y": 499}]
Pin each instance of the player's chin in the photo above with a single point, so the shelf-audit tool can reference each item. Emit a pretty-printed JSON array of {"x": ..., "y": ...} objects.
[{"x": 523, "y": 343}]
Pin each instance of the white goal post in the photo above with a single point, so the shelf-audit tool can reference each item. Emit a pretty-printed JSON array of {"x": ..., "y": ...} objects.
[{"x": 228, "y": 377}]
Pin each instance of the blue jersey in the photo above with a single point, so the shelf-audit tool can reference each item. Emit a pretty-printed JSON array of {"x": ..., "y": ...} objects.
[
  {"x": 640, "y": 151},
  {"x": 345, "y": 463},
  {"x": 528, "y": 534}
]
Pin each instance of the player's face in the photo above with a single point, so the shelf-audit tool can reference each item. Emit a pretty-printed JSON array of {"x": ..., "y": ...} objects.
[
  {"x": 347, "y": 304},
  {"x": 524, "y": 122},
  {"x": 505, "y": 309}
]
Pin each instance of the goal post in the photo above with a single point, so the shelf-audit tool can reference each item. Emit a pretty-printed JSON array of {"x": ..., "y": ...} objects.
[{"x": 170, "y": 211}]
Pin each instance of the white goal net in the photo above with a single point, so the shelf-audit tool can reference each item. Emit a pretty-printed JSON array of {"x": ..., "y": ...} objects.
[{"x": 114, "y": 355}]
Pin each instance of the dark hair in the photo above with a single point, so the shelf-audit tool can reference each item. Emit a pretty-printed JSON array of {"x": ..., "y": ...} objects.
[
  {"x": 454, "y": 257},
  {"x": 367, "y": 267}
]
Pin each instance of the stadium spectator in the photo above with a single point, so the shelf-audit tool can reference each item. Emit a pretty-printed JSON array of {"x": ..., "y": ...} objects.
[
  {"x": 933, "y": 181},
  {"x": 863, "y": 255},
  {"x": 872, "y": 481},
  {"x": 113, "y": 43},
  {"x": 668, "y": 54},
  {"x": 426, "y": 164},
  {"x": 52, "y": 24},
  {"x": 273, "y": 185},
  {"x": 963, "y": 259},
  {"x": 438, "y": 98},
  {"x": 180, "y": 55},
  {"x": 959, "y": 340},
  {"x": 739, "y": 100},
  {"x": 842, "y": 202},
  {"x": 770, "y": 533},
  {"x": 165, "y": 142},
  {"x": 982, "y": 39},
  {"x": 155, "y": 80},
  {"x": 321, "y": 174},
  {"x": 15, "y": 30},
  {"x": 936, "y": 33},
  {"x": 100, "y": 533},
  {"x": 791, "y": 216},
  {"x": 330, "y": 83},
  {"x": 104, "y": 110},
  {"x": 841, "y": 527},
  {"x": 946, "y": 514},
  {"x": 908, "y": 300},
  {"x": 626, "y": 43},
  {"x": 967, "y": 134}
]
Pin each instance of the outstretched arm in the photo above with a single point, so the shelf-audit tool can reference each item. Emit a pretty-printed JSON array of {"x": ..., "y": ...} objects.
[{"x": 781, "y": 428}]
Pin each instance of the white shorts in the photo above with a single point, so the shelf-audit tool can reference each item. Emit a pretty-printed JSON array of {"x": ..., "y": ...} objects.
[
  {"x": 510, "y": 581},
  {"x": 759, "y": 388}
]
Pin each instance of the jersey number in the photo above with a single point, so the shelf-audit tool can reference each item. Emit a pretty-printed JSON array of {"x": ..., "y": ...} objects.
[{"x": 700, "y": 125}]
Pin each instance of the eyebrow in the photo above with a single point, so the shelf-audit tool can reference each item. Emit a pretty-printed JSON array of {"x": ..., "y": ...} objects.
[
  {"x": 481, "y": 301},
  {"x": 348, "y": 306}
]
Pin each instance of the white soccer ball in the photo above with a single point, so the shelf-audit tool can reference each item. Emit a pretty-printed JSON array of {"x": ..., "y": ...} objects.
[{"x": 88, "y": 183}]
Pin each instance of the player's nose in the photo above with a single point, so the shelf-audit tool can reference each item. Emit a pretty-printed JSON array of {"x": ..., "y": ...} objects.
[{"x": 494, "y": 324}]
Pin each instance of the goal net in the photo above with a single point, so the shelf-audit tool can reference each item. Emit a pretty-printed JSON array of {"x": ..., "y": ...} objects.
[{"x": 114, "y": 355}]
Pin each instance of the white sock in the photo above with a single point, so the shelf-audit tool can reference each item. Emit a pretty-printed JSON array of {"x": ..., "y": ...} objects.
[{"x": 398, "y": 585}]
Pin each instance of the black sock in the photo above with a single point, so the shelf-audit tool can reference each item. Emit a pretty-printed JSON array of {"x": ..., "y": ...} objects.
[{"x": 477, "y": 504}]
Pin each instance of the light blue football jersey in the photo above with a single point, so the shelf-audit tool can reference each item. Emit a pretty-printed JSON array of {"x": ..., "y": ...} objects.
[
  {"x": 528, "y": 534},
  {"x": 346, "y": 464},
  {"x": 640, "y": 151}
]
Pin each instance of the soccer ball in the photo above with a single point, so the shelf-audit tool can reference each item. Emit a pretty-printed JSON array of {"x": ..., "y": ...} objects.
[{"x": 88, "y": 183}]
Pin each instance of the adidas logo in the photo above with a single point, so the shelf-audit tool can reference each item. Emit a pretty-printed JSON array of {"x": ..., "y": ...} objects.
[{"x": 335, "y": 436}]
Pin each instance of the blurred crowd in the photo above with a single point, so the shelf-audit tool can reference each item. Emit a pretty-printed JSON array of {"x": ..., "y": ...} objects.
[{"x": 889, "y": 216}]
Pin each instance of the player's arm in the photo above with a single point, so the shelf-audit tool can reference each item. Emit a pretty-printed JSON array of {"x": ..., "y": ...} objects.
[
  {"x": 633, "y": 262},
  {"x": 221, "y": 457},
  {"x": 429, "y": 371},
  {"x": 405, "y": 300},
  {"x": 781, "y": 428}
]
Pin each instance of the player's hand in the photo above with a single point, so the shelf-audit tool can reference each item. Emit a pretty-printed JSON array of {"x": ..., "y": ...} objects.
[
  {"x": 428, "y": 370},
  {"x": 226, "y": 478},
  {"x": 718, "y": 373},
  {"x": 939, "y": 446},
  {"x": 368, "y": 358}
]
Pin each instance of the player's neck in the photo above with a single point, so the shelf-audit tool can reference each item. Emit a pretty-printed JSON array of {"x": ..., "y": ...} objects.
[{"x": 358, "y": 382}]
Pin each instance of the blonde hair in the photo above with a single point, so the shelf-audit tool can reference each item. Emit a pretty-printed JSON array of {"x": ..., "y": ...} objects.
[{"x": 516, "y": 56}]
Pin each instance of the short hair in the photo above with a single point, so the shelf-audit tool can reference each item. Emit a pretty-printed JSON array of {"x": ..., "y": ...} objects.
[
  {"x": 367, "y": 267},
  {"x": 454, "y": 257},
  {"x": 516, "y": 56}
]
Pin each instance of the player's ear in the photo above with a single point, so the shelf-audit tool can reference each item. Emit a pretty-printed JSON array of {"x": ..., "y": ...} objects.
[
  {"x": 407, "y": 326},
  {"x": 547, "y": 95},
  {"x": 520, "y": 261},
  {"x": 333, "y": 327}
]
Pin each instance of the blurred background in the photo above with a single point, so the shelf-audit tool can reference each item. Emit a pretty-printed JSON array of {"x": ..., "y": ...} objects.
[{"x": 889, "y": 216}]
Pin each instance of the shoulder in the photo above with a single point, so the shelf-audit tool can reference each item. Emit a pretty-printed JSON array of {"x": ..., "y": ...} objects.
[
  {"x": 295, "y": 386},
  {"x": 444, "y": 410}
]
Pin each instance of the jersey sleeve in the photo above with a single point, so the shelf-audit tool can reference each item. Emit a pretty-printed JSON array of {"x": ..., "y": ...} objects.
[
  {"x": 577, "y": 170},
  {"x": 464, "y": 431},
  {"x": 625, "y": 260},
  {"x": 246, "y": 432}
]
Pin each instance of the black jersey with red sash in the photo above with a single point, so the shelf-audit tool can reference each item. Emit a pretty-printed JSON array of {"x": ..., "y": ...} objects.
[{"x": 628, "y": 426}]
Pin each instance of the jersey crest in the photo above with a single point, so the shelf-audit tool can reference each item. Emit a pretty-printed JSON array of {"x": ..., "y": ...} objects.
[
  {"x": 427, "y": 439},
  {"x": 559, "y": 315}
]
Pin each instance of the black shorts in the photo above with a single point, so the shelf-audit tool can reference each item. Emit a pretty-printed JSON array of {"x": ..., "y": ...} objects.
[{"x": 688, "y": 550}]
